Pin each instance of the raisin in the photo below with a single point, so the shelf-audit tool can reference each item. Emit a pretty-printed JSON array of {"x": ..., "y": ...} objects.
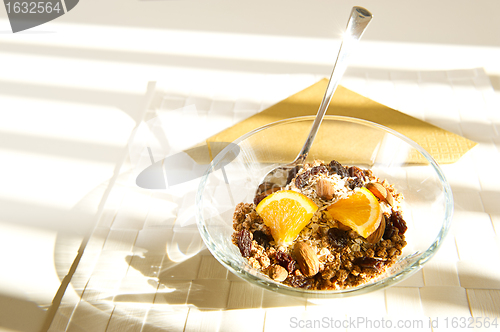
[
  {"x": 285, "y": 260},
  {"x": 355, "y": 172},
  {"x": 355, "y": 183},
  {"x": 336, "y": 168},
  {"x": 338, "y": 237},
  {"x": 369, "y": 262},
  {"x": 398, "y": 222},
  {"x": 319, "y": 170},
  {"x": 302, "y": 179},
  {"x": 390, "y": 230},
  {"x": 261, "y": 238},
  {"x": 297, "y": 281},
  {"x": 244, "y": 242}
]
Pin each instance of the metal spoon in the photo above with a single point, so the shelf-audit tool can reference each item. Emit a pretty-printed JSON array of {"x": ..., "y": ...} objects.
[{"x": 281, "y": 175}]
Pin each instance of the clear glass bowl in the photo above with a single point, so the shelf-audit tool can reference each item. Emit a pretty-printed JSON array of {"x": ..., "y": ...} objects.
[{"x": 238, "y": 169}]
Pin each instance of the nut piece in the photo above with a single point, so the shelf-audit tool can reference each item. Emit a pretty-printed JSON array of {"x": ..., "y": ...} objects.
[
  {"x": 389, "y": 199},
  {"x": 380, "y": 192},
  {"x": 379, "y": 232},
  {"x": 307, "y": 259},
  {"x": 278, "y": 273},
  {"x": 325, "y": 189}
]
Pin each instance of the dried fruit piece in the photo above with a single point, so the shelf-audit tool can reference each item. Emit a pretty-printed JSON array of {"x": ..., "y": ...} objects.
[
  {"x": 369, "y": 262},
  {"x": 319, "y": 170},
  {"x": 336, "y": 168},
  {"x": 306, "y": 258},
  {"x": 355, "y": 172},
  {"x": 302, "y": 179},
  {"x": 244, "y": 242},
  {"x": 285, "y": 260},
  {"x": 390, "y": 230},
  {"x": 286, "y": 213},
  {"x": 355, "y": 183},
  {"x": 278, "y": 273},
  {"x": 261, "y": 238},
  {"x": 297, "y": 281},
  {"x": 338, "y": 238},
  {"x": 398, "y": 221},
  {"x": 361, "y": 211}
]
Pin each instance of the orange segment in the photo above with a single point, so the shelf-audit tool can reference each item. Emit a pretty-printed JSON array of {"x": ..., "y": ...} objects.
[
  {"x": 286, "y": 213},
  {"x": 361, "y": 211}
]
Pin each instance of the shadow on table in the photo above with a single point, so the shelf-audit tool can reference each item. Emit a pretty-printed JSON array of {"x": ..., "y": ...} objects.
[
  {"x": 203, "y": 282},
  {"x": 13, "y": 313},
  {"x": 495, "y": 82},
  {"x": 175, "y": 297},
  {"x": 475, "y": 294}
]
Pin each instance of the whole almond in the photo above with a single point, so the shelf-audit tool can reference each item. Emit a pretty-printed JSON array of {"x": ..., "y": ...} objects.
[
  {"x": 306, "y": 258},
  {"x": 325, "y": 189},
  {"x": 380, "y": 192},
  {"x": 379, "y": 232}
]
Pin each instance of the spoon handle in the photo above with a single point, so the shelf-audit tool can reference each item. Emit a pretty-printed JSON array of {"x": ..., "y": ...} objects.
[{"x": 358, "y": 21}]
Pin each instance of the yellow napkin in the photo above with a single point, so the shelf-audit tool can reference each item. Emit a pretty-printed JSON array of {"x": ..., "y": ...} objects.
[{"x": 445, "y": 147}]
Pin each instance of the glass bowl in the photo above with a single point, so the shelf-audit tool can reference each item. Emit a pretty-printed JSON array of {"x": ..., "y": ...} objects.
[{"x": 237, "y": 170}]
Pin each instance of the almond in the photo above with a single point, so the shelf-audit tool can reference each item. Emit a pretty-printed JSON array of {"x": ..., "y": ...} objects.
[
  {"x": 306, "y": 258},
  {"x": 380, "y": 192},
  {"x": 325, "y": 189},
  {"x": 379, "y": 232},
  {"x": 389, "y": 199}
]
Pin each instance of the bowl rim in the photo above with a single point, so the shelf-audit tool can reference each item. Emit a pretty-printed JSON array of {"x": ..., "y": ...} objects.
[{"x": 415, "y": 266}]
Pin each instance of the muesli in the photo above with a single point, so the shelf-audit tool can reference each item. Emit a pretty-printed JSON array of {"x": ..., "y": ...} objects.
[{"x": 326, "y": 254}]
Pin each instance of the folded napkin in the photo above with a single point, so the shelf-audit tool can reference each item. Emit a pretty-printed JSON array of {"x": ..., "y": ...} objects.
[{"x": 444, "y": 147}]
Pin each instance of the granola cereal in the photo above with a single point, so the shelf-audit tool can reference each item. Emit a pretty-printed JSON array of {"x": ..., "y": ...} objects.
[{"x": 326, "y": 255}]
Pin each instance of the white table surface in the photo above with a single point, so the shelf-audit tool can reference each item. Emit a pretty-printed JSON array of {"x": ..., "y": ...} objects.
[{"x": 73, "y": 90}]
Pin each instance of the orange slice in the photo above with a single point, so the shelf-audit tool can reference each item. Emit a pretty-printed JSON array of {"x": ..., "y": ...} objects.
[
  {"x": 286, "y": 213},
  {"x": 361, "y": 211}
]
